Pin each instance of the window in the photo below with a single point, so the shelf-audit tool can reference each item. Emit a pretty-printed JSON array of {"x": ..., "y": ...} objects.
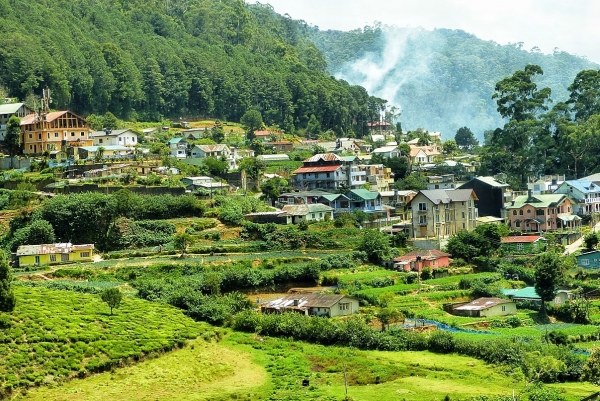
[
  {"x": 520, "y": 212},
  {"x": 313, "y": 215},
  {"x": 56, "y": 134},
  {"x": 514, "y": 212},
  {"x": 518, "y": 223},
  {"x": 64, "y": 257},
  {"x": 120, "y": 139},
  {"x": 463, "y": 215},
  {"x": 464, "y": 227},
  {"x": 345, "y": 306},
  {"x": 320, "y": 215},
  {"x": 585, "y": 262},
  {"x": 528, "y": 211},
  {"x": 437, "y": 218},
  {"x": 100, "y": 140},
  {"x": 422, "y": 206},
  {"x": 72, "y": 134},
  {"x": 48, "y": 135},
  {"x": 37, "y": 259},
  {"x": 84, "y": 254},
  {"x": 53, "y": 257},
  {"x": 422, "y": 219},
  {"x": 30, "y": 136},
  {"x": 519, "y": 247},
  {"x": 82, "y": 133},
  {"x": 328, "y": 175},
  {"x": 503, "y": 308},
  {"x": 39, "y": 136}
]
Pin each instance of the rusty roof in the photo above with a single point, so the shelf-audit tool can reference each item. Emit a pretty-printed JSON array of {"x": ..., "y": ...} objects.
[
  {"x": 327, "y": 157},
  {"x": 53, "y": 115},
  {"x": 432, "y": 254},
  {"x": 307, "y": 301},
  {"x": 482, "y": 304},
  {"x": 317, "y": 169},
  {"x": 521, "y": 238}
]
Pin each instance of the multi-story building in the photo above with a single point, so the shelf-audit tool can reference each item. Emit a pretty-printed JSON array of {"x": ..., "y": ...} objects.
[
  {"x": 54, "y": 131},
  {"x": 585, "y": 193},
  {"x": 423, "y": 154},
  {"x": 218, "y": 151},
  {"x": 178, "y": 147},
  {"x": 8, "y": 110},
  {"x": 491, "y": 194},
  {"x": 439, "y": 212},
  {"x": 445, "y": 181},
  {"x": 542, "y": 212}
]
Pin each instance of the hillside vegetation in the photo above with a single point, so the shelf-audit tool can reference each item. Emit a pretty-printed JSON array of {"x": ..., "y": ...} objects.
[
  {"x": 442, "y": 79},
  {"x": 149, "y": 59}
]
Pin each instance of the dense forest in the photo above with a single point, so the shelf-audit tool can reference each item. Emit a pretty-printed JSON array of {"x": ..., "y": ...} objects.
[
  {"x": 442, "y": 79},
  {"x": 146, "y": 60}
]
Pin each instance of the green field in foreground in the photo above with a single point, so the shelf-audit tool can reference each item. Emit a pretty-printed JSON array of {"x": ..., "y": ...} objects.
[{"x": 243, "y": 367}]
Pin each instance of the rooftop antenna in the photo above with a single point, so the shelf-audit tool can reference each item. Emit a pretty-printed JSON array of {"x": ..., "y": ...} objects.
[{"x": 46, "y": 100}]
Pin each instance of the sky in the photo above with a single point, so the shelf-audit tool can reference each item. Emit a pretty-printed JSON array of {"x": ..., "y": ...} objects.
[{"x": 569, "y": 25}]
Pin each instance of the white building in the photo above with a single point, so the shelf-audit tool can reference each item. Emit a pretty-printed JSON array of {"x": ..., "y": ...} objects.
[{"x": 122, "y": 137}]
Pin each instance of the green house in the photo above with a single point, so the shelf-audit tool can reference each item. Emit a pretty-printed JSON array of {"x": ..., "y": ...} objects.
[
  {"x": 589, "y": 260},
  {"x": 523, "y": 244}
]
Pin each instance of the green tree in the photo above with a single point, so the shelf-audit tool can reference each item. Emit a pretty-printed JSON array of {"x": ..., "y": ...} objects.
[
  {"x": 217, "y": 132},
  {"x": 386, "y": 316},
  {"x": 112, "y": 297},
  {"x": 404, "y": 149},
  {"x": 7, "y": 296},
  {"x": 252, "y": 121},
  {"x": 313, "y": 129},
  {"x": 216, "y": 166},
  {"x": 591, "y": 241},
  {"x": 274, "y": 187},
  {"x": 182, "y": 241},
  {"x": 449, "y": 147},
  {"x": 253, "y": 167},
  {"x": 413, "y": 181},
  {"x": 36, "y": 233},
  {"x": 12, "y": 139},
  {"x": 465, "y": 139},
  {"x": 99, "y": 153},
  {"x": 591, "y": 369},
  {"x": 584, "y": 98},
  {"x": 376, "y": 245},
  {"x": 549, "y": 275}
]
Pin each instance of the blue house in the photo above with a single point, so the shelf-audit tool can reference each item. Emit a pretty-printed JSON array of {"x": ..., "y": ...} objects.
[
  {"x": 589, "y": 260},
  {"x": 367, "y": 201}
]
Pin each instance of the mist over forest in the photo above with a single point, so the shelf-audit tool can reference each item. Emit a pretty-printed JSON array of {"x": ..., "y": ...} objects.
[{"x": 442, "y": 79}]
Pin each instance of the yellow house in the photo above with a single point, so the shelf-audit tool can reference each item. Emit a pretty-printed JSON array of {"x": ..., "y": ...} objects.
[
  {"x": 54, "y": 131},
  {"x": 49, "y": 254}
]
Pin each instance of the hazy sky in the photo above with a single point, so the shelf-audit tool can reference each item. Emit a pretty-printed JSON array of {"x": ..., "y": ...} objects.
[{"x": 569, "y": 25}]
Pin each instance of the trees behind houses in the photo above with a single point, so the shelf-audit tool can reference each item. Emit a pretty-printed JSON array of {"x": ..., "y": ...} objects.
[{"x": 7, "y": 297}]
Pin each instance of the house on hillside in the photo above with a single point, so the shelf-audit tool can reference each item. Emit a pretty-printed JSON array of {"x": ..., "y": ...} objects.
[
  {"x": 387, "y": 151},
  {"x": 423, "y": 154},
  {"x": 585, "y": 193},
  {"x": 544, "y": 212},
  {"x": 301, "y": 197},
  {"x": 445, "y": 181},
  {"x": 217, "y": 151},
  {"x": 50, "y": 254},
  {"x": 523, "y": 244},
  {"x": 308, "y": 212},
  {"x": 55, "y": 130},
  {"x": 108, "y": 152},
  {"x": 440, "y": 212},
  {"x": 117, "y": 137},
  {"x": 339, "y": 202},
  {"x": 313, "y": 305},
  {"x": 280, "y": 146},
  {"x": 529, "y": 294},
  {"x": 491, "y": 195},
  {"x": 323, "y": 170},
  {"x": 178, "y": 147},
  {"x": 366, "y": 201},
  {"x": 589, "y": 260},
  {"x": 9, "y": 110},
  {"x": 418, "y": 260},
  {"x": 483, "y": 307}
]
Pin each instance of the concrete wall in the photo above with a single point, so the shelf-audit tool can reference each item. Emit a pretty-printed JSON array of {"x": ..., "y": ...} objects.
[{"x": 8, "y": 163}]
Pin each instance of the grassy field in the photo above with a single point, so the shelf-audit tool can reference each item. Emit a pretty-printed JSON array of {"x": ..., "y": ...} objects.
[{"x": 243, "y": 367}]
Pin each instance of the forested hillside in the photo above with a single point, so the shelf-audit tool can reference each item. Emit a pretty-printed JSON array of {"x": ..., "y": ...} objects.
[
  {"x": 144, "y": 59},
  {"x": 443, "y": 79}
]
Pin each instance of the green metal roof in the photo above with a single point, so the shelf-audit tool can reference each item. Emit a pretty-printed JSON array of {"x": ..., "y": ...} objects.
[
  {"x": 364, "y": 194},
  {"x": 523, "y": 293},
  {"x": 543, "y": 200}
]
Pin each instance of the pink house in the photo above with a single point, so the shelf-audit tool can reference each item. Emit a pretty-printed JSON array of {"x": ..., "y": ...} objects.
[
  {"x": 417, "y": 260},
  {"x": 543, "y": 212}
]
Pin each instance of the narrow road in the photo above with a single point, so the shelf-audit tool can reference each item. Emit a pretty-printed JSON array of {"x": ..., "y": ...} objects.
[{"x": 569, "y": 249}]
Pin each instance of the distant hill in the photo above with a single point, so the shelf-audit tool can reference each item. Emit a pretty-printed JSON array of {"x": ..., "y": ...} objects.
[{"x": 442, "y": 79}]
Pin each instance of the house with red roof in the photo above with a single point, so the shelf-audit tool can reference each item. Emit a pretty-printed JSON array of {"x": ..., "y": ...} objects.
[
  {"x": 417, "y": 260},
  {"x": 323, "y": 170},
  {"x": 523, "y": 244}
]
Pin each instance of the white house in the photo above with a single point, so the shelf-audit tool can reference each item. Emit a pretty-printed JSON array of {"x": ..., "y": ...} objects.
[
  {"x": 218, "y": 151},
  {"x": 122, "y": 137},
  {"x": 178, "y": 147},
  {"x": 11, "y": 109},
  {"x": 387, "y": 151}
]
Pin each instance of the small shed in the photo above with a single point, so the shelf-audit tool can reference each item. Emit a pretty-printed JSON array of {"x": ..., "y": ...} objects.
[
  {"x": 589, "y": 260},
  {"x": 523, "y": 244}
]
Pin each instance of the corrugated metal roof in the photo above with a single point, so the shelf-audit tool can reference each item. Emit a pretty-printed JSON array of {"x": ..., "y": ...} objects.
[
  {"x": 516, "y": 239},
  {"x": 483, "y": 303},
  {"x": 363, "y": 194},
  {"x": 320, "y": 169},
  {"x": 304, "y": 209},
  {"x": 10, "y": 108},
  {"x": 44, "y": 249},
  {"x": 328, "y": 157},
  {"x": 115, "y": 132},
  {"x": 307, "y": 301},
  {"x": 213, "y": 148},
  {"x": 540, "y": 200},
  {"x": 432, "y": 254},
  {"x": 31, "y": 118}
]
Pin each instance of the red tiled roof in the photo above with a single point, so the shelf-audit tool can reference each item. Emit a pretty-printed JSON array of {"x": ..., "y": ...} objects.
[
  {"x": 317, "y": 169},
  {"x": 520, "y": 238},
  {"x": 425, "y": 255}
]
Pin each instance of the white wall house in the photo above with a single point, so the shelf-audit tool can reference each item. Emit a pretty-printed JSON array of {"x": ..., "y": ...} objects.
[
  {"x": 178, "y": 147},
  {"x": 122, "y": 137},
  {"x": 218, "y": 151}
]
